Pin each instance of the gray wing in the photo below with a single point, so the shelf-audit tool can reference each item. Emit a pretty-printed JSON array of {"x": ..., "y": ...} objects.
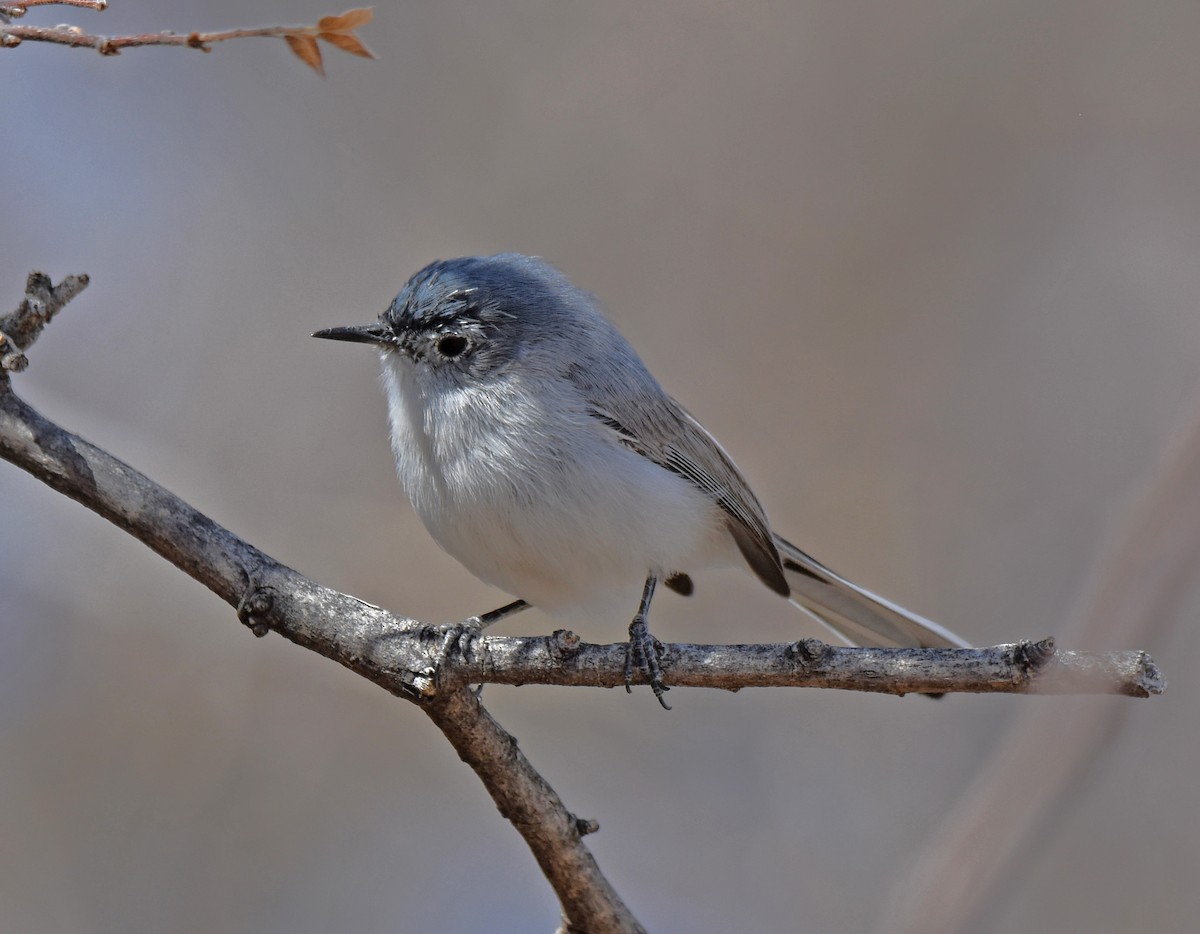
[
  {"x": 666, "y": 433},
  {"x": 630, "y": 403}
]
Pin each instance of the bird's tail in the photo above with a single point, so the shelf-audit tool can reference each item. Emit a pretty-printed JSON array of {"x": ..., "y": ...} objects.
[{"x": 854, "y": 614}]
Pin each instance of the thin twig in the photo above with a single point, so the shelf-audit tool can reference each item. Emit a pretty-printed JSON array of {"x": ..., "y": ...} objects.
[
  {"x": 112, "y": 45},
  {"x": 336, "y": 30},
  {"x": 17, "y": 10}
]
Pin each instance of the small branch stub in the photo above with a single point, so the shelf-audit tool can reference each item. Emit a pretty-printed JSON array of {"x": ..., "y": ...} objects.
[
  {"x": 807, "y": 651},
  {"x": 254, "y": 610},
  {"x": 1034, "y": 655},
  {"x": 563, "y": 643},
  {"x": 11, "y": 359}
]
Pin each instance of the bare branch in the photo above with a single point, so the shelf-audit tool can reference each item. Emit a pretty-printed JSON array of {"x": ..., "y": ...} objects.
[
  {"x": 1019, "y": 668},
  {"x": 400, "y": 655},
  {"x": 431, "y": 666},
  {"x": 337, "y": 30},
  {"x": 380, "y": 647},
  {"x": 590, "y": 904},
  {"x": 17, "y": 10}
]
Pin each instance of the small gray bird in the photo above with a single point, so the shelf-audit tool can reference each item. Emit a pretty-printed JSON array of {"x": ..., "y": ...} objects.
[{"x": 539, "y": 451}]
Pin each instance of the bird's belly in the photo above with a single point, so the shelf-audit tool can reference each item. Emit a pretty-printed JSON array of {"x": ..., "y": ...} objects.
[
  {"x": 548, "y": 509},
  {"x": 565, "y": 533}
]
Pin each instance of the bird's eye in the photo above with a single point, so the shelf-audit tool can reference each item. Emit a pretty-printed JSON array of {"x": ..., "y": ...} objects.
[{"x": 452, "y": 345}]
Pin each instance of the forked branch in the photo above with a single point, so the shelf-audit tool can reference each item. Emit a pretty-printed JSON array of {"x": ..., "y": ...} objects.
[{"x": 433, "y": 666}]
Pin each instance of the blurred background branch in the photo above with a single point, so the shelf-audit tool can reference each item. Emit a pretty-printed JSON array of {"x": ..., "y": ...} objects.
[{"x": 1146, "y": 564}]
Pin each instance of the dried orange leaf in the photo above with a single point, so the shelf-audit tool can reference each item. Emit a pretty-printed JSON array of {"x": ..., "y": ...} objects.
[
  {"x": 344, "y": 22},
  {"x": 347, "y": 43},
  {"x": 305, "y": 48}
]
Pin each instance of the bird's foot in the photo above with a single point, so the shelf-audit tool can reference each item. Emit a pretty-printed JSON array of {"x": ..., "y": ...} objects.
[{"x": 642, "y": 653}]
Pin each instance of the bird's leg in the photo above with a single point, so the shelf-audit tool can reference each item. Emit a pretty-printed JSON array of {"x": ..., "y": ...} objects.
[
  {"x": 642, "y": 649},
  {"x": 483, "y": 620},
  {"x": 459, "y": 636}
]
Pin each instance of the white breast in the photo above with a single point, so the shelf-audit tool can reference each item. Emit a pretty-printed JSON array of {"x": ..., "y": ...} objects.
[{"x": 541, "y": 503}]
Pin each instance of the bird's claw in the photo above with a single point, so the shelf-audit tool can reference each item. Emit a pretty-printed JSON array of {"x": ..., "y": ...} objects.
[
  {"x": 459, "y": 638},
  {"x": 642, "y": 651}
]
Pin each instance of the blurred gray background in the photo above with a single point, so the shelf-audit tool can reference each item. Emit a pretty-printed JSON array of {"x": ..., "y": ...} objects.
[{"x": 928, "y": 269}]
